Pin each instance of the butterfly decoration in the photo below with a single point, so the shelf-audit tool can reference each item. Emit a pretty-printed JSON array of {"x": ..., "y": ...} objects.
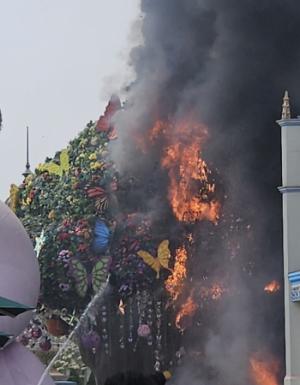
[
  {"x": 101, "y": 204},
  {"x": 39, "y": 243},
  {"x": 84, "y": 280},
  {"x": 57, "y": 169},
  {"x": 162, "y": 259},
  {"x": 127, "y": 245},
  {"x": 13, "y": 197},
  {"x": 102, "y": 236},
  {"x": 104, "y": 123},
  {"x": 95, "y": 192}
]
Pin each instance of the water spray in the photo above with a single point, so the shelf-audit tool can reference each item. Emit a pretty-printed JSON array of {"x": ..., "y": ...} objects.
[{"x": 83, "y": 317}]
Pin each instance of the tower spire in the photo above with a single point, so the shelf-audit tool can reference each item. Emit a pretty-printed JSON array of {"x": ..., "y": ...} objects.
[
  {"x": 286, "y": 110},
  {"x": 27, "y": 170}
]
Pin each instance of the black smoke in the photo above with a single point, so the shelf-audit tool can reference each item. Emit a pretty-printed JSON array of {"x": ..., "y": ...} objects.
[{"x": 229, "y": 63}]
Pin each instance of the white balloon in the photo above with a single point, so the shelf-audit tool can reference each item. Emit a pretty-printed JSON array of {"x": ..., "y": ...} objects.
[
  {"x": 18, "y": 366},
  {"x": 19, "y": 270}
]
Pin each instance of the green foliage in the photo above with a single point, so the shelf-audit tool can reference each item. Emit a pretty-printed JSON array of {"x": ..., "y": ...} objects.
[
  {"x": 70, "y": 361},
  {"x": 64, "y": 205}
]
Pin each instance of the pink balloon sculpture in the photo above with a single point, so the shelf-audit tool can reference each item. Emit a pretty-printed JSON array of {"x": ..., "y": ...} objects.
[{"x": 19, "y": 282}]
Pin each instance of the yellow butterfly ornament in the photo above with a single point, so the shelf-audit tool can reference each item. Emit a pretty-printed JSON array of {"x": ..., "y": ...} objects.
[
  {"x": 13, "y": 199},
  {"x": 162, "y": 259},
  {"x": 57, "y": 169}
]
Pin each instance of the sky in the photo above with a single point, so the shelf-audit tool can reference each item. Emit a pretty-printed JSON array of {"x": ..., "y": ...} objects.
[{"x": 60, "y": 60}]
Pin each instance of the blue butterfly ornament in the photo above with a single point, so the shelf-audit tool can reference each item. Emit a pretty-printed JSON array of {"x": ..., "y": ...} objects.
[{"x": 102, "y": 237}]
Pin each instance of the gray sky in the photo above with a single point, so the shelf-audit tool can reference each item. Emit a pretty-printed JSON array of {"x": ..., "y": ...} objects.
[{"x": 59, "y": 62}]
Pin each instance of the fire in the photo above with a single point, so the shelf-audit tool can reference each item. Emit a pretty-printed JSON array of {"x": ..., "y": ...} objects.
[
  {"x": 272, "y": 287},
  {"x": 187, "y": 310},
  {"x": 264, "y": 372},
  {"x": 215, "y": 292},
  {"x": 160, "y": 127},
  {"x": 190, "y": 190},
  {"x": 190, "y": 238},
  {"x": 175, "y": 282},
  {"x": 141, "y": 143}
]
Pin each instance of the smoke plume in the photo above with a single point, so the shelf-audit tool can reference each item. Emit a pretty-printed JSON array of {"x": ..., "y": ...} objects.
[{"x": 226, "y": 63}]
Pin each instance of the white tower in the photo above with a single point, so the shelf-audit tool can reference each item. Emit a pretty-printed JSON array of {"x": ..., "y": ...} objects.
[{"x": 290, "y": 136}]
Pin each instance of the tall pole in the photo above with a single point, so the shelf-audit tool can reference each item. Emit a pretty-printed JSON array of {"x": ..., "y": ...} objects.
[
  {"x": 27, "y": 169},
  {"x": 290, "y": 136}
]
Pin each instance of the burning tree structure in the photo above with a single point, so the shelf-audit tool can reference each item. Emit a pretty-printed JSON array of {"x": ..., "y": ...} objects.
[
  {"x": 155, "y": 234},
  {"x": 81, "y": 213}
]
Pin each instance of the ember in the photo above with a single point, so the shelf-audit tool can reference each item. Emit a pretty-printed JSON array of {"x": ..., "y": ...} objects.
[
  {"x": 216, "y": 292},
  {"x": 272, "y": 287},
  {"x": 264, "y": 372}
]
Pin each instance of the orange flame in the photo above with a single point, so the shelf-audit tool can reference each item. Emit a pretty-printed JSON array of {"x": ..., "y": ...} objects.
[
  {"x": 188, "y": 309},
  {"x": 190, "y": 238},
  {"x": 272, "y": 287},
  {"x": 186, "y": 171},
  {"x": 175, "y": 282},
  {"x": 215, "y": 292},
  {"x": 160, "y": 127},
  {"x": 264, "y": 372}
]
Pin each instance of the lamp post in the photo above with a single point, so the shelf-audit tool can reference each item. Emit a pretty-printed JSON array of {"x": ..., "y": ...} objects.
[{"x": 27, "y": 169}]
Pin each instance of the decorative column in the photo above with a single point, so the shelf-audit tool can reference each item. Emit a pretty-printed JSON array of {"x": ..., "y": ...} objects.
[{"x": 290, "y": 131}]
